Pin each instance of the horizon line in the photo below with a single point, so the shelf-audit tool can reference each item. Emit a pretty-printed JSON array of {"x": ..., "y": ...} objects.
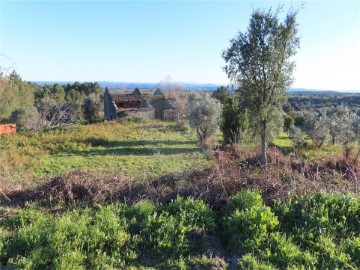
[{"x": 178, "y": 82}]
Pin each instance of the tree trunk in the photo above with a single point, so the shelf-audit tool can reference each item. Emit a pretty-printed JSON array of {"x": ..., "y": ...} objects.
[{"x": 263, "y": 144}]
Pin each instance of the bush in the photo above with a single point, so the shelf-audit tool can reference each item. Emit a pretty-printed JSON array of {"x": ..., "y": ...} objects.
[
  {"x": 331, "y": 255},
  {"x": 234, "y": 121},
  {"x": 308, "y": 217},
  {"x": 204, "y": 115},
  {"x": 352, "y": 247},
  {"x": 80, "y": 239},
  {"x": 319, "y": 223},
  {"x": 175, "y": 231},
  {"x": 26, "y": 118},
  {"x": 283, "y": 253},
  {"x": 247, "y": 222}
]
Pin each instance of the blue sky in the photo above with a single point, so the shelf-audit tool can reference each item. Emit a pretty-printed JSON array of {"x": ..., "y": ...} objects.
[{"x": 150, "y": 41}]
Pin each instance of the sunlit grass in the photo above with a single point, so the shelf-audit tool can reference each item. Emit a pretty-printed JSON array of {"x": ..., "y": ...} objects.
[
  {"x": 283, "y": 141},
  {"x": 142, "y": 149}
]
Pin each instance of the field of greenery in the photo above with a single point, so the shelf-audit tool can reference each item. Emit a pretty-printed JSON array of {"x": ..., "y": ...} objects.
[
  {"x": 321, "y": 231},
  {"x": 230, "y": 214},
  {"x": 138, "y": 149}
]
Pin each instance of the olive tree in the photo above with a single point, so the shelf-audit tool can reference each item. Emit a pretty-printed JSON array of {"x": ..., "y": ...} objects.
[
  {"x": 26, "y": 118},
  {"x": 204, "y": 115},
  {"x": 91, "y": 108},
  {"x": 259, "y": 62},
  {"x": 317, "y": 127},
  {"x": 340, "y": 122}
]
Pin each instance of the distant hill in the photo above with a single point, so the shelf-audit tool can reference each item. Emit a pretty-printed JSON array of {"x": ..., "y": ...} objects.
[
  {"x": 131, "y": 85},
  {"x": 313, "y": 91},
  {"x": 187, "y": 86}
]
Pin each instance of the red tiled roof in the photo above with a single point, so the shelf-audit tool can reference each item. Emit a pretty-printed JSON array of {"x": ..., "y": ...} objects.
[{"x": 127, "y": 98}]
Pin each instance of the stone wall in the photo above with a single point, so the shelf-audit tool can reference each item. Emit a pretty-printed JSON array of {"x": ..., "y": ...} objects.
[
  {"x": 137, "y": 114},
  {"x": 170, "y": 115},
  {"x": 109, "y": 107}
]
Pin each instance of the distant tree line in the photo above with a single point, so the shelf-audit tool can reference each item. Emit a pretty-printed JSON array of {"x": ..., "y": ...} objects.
[
  {"x": 33, "y": 107},
  {"x": 311, "y": 101}
]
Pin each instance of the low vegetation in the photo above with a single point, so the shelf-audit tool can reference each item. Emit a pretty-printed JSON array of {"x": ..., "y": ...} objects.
[
  {"x": 138, "y": 149},
  {"x": 319, "y": 231}
]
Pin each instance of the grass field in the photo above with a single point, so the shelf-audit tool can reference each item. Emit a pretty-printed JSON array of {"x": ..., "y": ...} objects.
[
  {"x": 140, "y": 150},
  {"x": 95, "y": 218}
]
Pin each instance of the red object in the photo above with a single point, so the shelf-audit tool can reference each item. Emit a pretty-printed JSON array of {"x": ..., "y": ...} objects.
[{"x": 8, "y": 128}]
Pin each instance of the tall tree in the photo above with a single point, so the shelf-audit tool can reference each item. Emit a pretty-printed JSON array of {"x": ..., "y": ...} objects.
[{"x": 259, "y": 61}]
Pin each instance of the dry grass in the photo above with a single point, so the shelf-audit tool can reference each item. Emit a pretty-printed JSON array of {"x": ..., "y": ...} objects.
[{"x": 235, "y": 169}]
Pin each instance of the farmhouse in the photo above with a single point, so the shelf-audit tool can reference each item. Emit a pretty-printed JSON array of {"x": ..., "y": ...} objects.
[{"x": 117, "y": 106}]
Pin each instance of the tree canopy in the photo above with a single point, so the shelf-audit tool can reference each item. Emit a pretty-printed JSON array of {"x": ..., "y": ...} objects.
[{"x": 259, "y": 62}]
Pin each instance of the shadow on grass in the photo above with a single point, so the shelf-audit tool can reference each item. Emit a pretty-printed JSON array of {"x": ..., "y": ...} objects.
[
  {"x": 134, "y": 151},
  {"x": 107, "y": 143}
]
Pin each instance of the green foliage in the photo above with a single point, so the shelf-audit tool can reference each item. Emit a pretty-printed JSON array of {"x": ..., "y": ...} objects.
[
  {"x": 80, "y": 239},
  {"x": 204, "y": 115},
  {"x": 259, "y": 60},
  {"x": 352, "y": 247},
  {"x": 319, "y": 223},
  {"x": 285, "y": 254},
  {"x": 91, "y": 108},
  {"x": 221, "y": 94},
  {"x": 15, "y": 94},
  {"x": 322, "y": 213},
  {"x": 234, "y": 122},
  {"x": 174, "y": 230},
  {"x": 26, "y": 118},
  {"x": 297, "y": 137},
  {"x": 250, "y": 262},
  {"x": 247, "y": 222},
  {"x": 315, "y": 232},
  {"x": 288, "y": 123}
]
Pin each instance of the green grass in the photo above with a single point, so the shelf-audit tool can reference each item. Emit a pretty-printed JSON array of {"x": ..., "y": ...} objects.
[
  {"x": 283, "y": 141},
  {"x": 140, "y": 149}
]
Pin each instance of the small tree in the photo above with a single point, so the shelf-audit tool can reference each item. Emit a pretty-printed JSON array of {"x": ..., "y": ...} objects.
[
  {"x": 91, "y": 108},
  {"x": 288, "y": 123},
  {"x": 221, "y": 94},
  {"x": 234, "y": 122},
  {"x": 297, "y": 137},
  {"x": 340, "y": 120},
  {"x": 259, "y": 61},
  {"x": 316, "y": 127},
  {"x": 26, "y": 118},
  {"x": 204, "y": 115}
]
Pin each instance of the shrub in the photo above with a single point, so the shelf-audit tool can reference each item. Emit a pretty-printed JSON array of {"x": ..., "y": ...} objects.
[
  {"x": 308, "y": 217},
  {"x": 331, "y": 255},
  {"x": 319, "y": 223},
  {"x": 204, "y": 115},
  {"x": 176, "y": 229},
  {"x": 26, "y": 118},
  {"x": 247, "y": 222},
  {"x": 234, "y": 121},
  {"x": 283, "y": 253},
  {"x": 352, "y": 247},
  {"x": 80, "y": 239}
]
